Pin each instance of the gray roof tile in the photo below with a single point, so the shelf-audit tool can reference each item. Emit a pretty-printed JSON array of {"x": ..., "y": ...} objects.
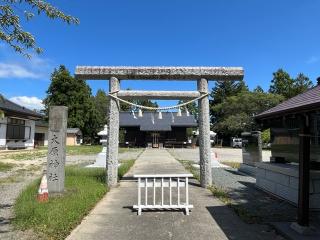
[
  {"x": 146, "y": 122},
  {"x": 74, "y": 130},
  {"x": 305, "y": 101},
  {"x": 7, "y": 105}
]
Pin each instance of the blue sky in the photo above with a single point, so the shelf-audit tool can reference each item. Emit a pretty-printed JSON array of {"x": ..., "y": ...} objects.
[{"x": 260, "y": 36}]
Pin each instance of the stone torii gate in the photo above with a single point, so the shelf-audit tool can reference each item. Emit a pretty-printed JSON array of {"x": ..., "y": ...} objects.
[{"x": 200, "y": 74}]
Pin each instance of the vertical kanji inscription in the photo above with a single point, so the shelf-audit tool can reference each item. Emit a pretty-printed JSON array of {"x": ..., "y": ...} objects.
[{"x": 58, "y": 116}]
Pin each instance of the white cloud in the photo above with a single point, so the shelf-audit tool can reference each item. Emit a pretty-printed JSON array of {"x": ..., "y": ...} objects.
[
  {"x": 312, "y": 59},
  {"x": 13, "y": 65},
  {"x": 15, "y": 71},
  {"x": 28, "y": 102}
]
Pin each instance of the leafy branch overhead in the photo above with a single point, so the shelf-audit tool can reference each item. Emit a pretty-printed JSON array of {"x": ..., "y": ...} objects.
[{"x": 11, "y": 30}]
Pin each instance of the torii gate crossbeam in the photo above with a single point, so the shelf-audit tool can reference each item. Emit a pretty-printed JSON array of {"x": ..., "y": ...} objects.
[{"x": 200, "y": 74}]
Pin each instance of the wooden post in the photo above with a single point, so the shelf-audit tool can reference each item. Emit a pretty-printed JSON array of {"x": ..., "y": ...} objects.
[
  {"x": 113, "y": 137},
  {"x": 304, "y": 171}
]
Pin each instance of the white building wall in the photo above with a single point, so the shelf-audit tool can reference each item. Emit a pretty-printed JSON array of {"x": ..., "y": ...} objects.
[
  {"x": 3, "y": 132},
  {"x": 28, "y": 143}
]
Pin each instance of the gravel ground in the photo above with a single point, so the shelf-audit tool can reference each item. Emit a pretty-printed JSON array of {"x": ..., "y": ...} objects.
[
  {"x": 259, "y": 205},
  {"x": 14, "y": 181},
  {"x": 224, "y": 154},
  {"x": 9, "y": 192}
]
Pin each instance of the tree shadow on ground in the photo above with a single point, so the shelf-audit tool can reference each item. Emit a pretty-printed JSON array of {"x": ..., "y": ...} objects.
[
  {"x": 252, "y": 204},
  {"x": 229, "y": 224}
]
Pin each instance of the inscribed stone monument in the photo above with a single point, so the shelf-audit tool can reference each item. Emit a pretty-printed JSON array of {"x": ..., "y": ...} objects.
[{"x": 56, "y": 157}]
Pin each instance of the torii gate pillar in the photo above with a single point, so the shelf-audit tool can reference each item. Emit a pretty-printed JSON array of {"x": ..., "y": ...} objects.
[
  {"x": 113, "y": 137},
  {"x": 203, "y": 74},
  {"x": 204, "y": 135}
]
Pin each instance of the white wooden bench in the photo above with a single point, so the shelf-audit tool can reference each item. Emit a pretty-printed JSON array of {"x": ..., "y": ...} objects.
[{"x": 172, "y": 181}]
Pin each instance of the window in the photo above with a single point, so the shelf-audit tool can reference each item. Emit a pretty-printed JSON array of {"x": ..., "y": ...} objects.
[{"x": 16, "y": 129}]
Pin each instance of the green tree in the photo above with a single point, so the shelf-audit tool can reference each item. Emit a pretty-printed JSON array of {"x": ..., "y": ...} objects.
[
  {"x": 224, "y": 89},
  {"x": 282, "y": 84},
  {"x": 93, "y": 125},
  {"x": 146, "y": 103},
  {"x": 11, "y": 30},
  {"x": 288, "y": 87},
  {"x": 221, "y": 91},
  {"x": 101, "y": 101},
  {"x": 236, "y": 113},
  {"x": 258, "y": 89},
  {"x": 74, "y": 93},
  {"x": 301, "y": 84},
  {"x": 265, "y": 136},
  {"x": 126, "y": 107},
  {"x": 192, "y": 108}
]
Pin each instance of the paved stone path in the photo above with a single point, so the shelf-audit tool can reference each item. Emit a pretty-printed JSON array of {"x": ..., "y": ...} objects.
[{"x": 113, "y": 217}]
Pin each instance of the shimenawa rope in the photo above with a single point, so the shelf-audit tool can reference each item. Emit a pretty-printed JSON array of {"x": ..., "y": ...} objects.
[{"x": 111, "y": 94}]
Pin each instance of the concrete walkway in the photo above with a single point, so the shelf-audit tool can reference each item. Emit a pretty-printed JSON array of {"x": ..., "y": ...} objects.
[{"x": 113, "y": 217}]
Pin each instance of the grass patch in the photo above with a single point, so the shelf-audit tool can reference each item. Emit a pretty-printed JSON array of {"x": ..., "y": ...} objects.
[
  {"x": 91, "y": 149},
  {"x": 241, "y": 211},
  {"x": 124, "y": 149},
  {"x": 125, "y": 167},
  {"x": 83, "y": 149},
  {"x": 84, "y": 187},
  {"x": 221, "y": 194},
  {"x": 188, "y": 166},
  {"x": 235, "y": 165},
  {"x": 28, "y": 155},
  {"x": 70, "y": 150},
  {"x": 5, "y": 166},
  {"x": 56, "y": 218}
]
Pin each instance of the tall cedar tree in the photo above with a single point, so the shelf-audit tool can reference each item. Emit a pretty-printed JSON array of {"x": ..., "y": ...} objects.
[
  {"x": 101, "y": 102},
  {"x": 65, "y": 90},
  {"x": 288, "y": 87},
  {"x": 221, "y": 91},
  {"x": 225, "y": 89}
]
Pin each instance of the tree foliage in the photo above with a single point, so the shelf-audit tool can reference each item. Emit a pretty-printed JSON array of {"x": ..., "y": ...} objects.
[
  {"x": 65, "y": 90},
  {"x": 234, "y": 107},
  {"x": 192, "y": 108},
  {"x": 221, "y": 91},
  {"x": 101, "y": 102},
  {"x": 301, "y": 84},
  {"x": 11, "y": 30},
  {"x": 236, "y": 113},
  {"x": 288, "y": 87},
  {"x": 225, "y": 89},
  {"x": 258, "y": 89},
  {"x": 265, "y": 136},
  {"x": 126, "y": 107}
]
